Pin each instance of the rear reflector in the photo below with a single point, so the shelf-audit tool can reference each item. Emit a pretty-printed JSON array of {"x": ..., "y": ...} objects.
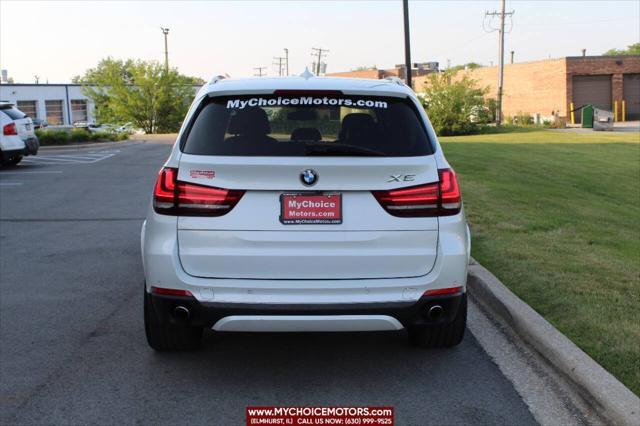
[
  {"x": 441, "y": 198},
  {"x": 170, "y": 292},
  {"x": 176, "y": 198},
  {"x": 442, "y": 291},
  {"x": 10, "y": 129}
]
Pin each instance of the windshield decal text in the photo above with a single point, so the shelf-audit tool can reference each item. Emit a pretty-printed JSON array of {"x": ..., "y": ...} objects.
[{"x": 304, "y": 100}]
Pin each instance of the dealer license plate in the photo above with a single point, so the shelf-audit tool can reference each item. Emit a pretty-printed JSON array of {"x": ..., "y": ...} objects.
[{"x": 311, "y": 209}]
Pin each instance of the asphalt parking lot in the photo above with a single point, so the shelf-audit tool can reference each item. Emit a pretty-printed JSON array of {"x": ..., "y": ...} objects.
[{"x": 73, "y": 347}]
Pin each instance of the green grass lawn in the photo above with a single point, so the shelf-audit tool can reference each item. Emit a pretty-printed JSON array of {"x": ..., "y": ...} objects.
[{"x": 556, "y": 216}]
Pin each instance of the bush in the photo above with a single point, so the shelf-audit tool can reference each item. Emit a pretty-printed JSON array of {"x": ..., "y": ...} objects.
[
  {"x": 61, "y": 137},
  {"x": 455, "y": 107},
  {"x": 102, "y": 136},
  {"x": 80, "y": 135},
  {"x": 521, "y": 119},
  {"x": 53, "y": 137}
]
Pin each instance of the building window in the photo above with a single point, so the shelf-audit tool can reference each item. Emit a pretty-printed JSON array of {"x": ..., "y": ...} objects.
[
  {"x": 28, "y": 107},
  {"x": 78, "y": 110},
  {"x": 54, "y": 112}
]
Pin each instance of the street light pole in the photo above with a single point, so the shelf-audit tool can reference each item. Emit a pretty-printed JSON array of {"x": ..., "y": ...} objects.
[
  {"x": 165, "y": 31},
  {"x": 407, "y": 46}
]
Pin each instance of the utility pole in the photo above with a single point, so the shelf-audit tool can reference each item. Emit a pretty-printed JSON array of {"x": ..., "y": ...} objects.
[
  {"x": 286, "y": 59},
  {"x": 500, "y": 30},
  {"x": 259, "y": 71},
  {"x": 320, "y": 52},
  {"x": 165, "y": 31},
  {"x": 407, "y": 45},
  {"x": 279, "y": 63}
]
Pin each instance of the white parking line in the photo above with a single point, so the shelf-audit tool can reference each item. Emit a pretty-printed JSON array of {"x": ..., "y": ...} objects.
[
  {"x": 74, "y": 157},
  {"x": 43, "y": 158},
  {"x": 84, "y": 158},
  {"x": 40, "y": 172},
  {"x": 10, "y": 183}
]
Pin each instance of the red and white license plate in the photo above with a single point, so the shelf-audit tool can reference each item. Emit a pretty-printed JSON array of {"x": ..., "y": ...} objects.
[{"x": 311, "y": 209}]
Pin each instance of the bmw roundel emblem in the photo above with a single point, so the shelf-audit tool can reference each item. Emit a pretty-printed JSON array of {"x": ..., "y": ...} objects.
[{"x": 309, "y": 177}]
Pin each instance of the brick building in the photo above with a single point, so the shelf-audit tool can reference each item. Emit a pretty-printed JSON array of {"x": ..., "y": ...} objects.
[
  {"x": 551, "y": 86},
  {"x": 417, "y": 70}
]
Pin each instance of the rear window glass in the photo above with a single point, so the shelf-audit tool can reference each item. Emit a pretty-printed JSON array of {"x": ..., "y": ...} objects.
[
  {"x": 14, "y": 113},
  {"x": 304, "y": 125}
]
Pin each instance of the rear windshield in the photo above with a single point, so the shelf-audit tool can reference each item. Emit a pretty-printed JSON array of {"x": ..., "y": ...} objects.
[
  {"x": 13, "y": 112},
  {"x": 305, "y": 124}
]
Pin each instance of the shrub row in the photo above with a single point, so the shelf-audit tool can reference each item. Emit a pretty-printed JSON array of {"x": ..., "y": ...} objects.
[{"x": 61, "y": 137}]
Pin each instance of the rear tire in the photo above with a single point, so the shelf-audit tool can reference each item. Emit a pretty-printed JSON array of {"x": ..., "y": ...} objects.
[
  {"x": 443, "y": 335},
  {"x": 164, "y": 336}
]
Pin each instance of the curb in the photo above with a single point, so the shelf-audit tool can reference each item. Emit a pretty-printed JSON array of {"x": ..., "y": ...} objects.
[
  {"x": 89, "y": 145},
  {"x": 605, "y": 394}
]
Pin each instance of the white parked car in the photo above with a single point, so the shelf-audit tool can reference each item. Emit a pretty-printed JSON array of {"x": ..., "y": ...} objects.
[
  {"x": 18, "y": 137},
  {"x": 305, "y": 204},
  {"x": 106, "y": 128},
  {"x": 129, "y": 128}
]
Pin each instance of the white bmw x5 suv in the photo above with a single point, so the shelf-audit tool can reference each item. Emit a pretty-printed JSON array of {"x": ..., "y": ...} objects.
[{"x": 305, "y": 204}]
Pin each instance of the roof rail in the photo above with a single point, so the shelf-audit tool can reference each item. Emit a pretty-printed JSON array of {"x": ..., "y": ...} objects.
[
  {"x": 217, "y": 78},
  {"x": 396, "y": 80}
]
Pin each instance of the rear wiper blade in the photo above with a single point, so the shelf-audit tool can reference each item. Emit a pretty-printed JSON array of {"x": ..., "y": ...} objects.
[{"x": 341, "y": 149}]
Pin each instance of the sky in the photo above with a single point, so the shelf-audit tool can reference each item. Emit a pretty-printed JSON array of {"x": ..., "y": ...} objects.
[{"x": 57, "y": 40}]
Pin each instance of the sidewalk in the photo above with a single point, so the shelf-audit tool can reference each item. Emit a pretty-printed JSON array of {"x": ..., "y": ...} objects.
[
  {"x": 625, "y": 126},
  {"x": 168, "y": 138}
]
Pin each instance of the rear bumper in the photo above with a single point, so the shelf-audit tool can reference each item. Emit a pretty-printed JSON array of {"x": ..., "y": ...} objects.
[
  {"x": 163, "y": 269},
  {"x": 31, "y": 147},
  {"x": 307, "y": 317}
]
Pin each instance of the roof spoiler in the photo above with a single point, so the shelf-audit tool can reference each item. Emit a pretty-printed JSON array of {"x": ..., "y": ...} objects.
[
  {"x": 396, "y": 80},
  {"x": 218, "y": 78}
]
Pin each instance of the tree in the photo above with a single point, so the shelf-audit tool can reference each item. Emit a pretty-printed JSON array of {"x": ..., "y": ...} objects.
[
  {"x": 454, "y": 105},
  {"x": 467, "y": 66},
  {"x": 140, "y": 92},
  {"x": 633, "y": 49}
]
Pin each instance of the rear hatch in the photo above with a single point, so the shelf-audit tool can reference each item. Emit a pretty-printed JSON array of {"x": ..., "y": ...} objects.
[
  {"x": 24, "y": 124},
  {"x": 25, "y": 128},
  {"x": 306, "y": 177}
]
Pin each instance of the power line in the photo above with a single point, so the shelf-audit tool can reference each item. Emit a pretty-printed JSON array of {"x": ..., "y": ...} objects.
[
  {"x": 407, "y": 45},
  {"x": 286, "y": 58},
  {"x": 500, "y": 30},
  {"x": 320, "y": 53},
  {"x": 279, "y": 61},
  {"x": 259, "y": 71}
]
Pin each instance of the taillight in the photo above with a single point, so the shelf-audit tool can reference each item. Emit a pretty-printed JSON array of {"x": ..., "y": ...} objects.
[
  {"x": 176, "y": 198},
  {"x": 10, "y": 129},
  {"x": 434, "y": 199}
]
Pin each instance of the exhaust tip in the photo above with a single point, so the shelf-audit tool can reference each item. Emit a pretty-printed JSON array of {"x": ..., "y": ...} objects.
[
  {"x": 181, "y": 314},
  {"x": 435, "y": 312}
]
